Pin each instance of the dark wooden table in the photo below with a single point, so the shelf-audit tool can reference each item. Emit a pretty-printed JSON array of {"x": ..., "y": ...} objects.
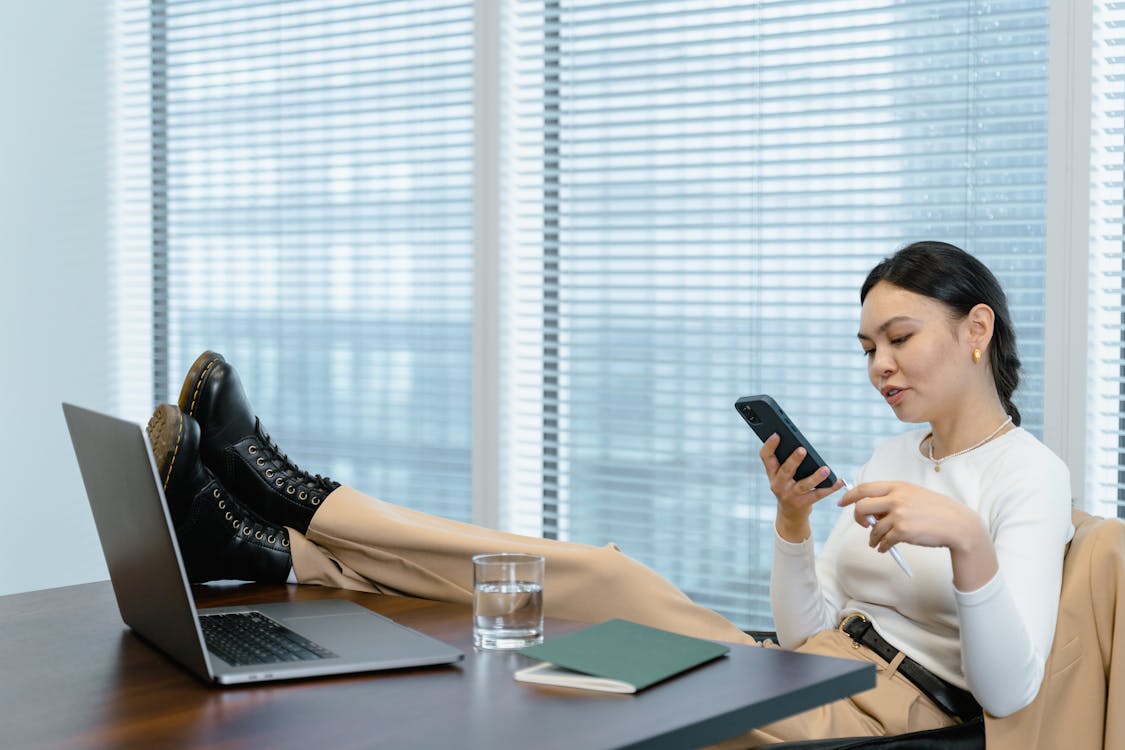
[{"x": 73, "y": 676}]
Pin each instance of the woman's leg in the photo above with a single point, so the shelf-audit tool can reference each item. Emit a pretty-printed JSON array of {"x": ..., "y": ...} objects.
[
  {"x": 358, "y": 542},
  {"x": 340, "y": 537},
  {"x": 893, "y": 706}
]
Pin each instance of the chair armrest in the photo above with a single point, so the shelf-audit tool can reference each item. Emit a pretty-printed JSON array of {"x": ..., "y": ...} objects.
[
  {"x": 967, "y": 736},
  {"x": 762, "y": 635}
]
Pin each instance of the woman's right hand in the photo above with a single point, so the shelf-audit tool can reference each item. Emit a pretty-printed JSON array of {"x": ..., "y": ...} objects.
[{"x": 795, "y": 498}]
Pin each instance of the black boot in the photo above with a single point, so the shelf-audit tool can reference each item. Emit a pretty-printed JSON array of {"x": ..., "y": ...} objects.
[
  {"x": 219, "y": 538},
  {"x": 237, "y": 448}
]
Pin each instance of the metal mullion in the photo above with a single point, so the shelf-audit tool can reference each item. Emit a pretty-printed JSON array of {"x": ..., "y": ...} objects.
[{"x": 159, "y": 197}]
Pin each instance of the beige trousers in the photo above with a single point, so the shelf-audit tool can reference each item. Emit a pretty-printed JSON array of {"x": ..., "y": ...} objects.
[{"x": 360, "y": 543}]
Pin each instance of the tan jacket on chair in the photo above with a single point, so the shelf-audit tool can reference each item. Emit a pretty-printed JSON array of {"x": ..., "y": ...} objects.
[{"x": 1081, "y": 704}]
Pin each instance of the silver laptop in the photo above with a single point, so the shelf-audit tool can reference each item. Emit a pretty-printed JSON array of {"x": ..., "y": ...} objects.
[{"x": 300, "y": 639}]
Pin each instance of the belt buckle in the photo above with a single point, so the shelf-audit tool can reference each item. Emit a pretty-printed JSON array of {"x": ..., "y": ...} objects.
[{"x": 846, "y": 621}]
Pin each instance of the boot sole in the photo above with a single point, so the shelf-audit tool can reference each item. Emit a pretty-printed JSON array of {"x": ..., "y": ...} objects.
[
  {"x": 196, "y": 377},
  {"x": 166, "y": 434}
]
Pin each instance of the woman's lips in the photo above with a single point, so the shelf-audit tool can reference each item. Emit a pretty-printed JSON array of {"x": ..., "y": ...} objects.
[{"x": 894, "y": 395}]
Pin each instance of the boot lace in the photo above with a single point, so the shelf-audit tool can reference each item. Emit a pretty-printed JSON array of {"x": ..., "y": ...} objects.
[
  {"x": 281, "y": 464},
  {"x": 247, "y": 524}
]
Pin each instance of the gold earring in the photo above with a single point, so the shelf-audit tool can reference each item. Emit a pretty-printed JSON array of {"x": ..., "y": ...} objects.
[{"x": 976, "y": 356}]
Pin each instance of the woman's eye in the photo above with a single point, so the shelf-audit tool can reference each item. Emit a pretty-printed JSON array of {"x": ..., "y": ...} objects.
[
  {"x": 869, "y": 353},
  {"x": 899, "y": 340}
]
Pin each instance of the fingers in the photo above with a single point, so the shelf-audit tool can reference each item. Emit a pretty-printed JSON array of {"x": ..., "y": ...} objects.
[
  {"x": 794, "y": 494},
  {"x": 768, "y": 454},
  {"x": 794, "y": 461},
  {"x": 867, "y": 489},
  {"x": 808, "y": 490},
  {"x": 876, "y": 531},
  {"x": 885, "y": 543},
  {"x": 826, "y": 491},
  {"x": 784, "y": 479},
  {"x": 869, "y": 508},
  {"x": 883, "y": 535},
  {"x": 878, "y": 514},
  {"x": 812, "y": 482},
  {"x": 781, "y": 474}
]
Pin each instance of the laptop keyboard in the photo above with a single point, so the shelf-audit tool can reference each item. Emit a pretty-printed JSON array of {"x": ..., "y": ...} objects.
[{"x": 242, "y": 638}]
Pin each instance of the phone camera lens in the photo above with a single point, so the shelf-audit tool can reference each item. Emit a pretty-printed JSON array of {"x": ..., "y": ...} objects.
[{"x": 753, "y": 417}]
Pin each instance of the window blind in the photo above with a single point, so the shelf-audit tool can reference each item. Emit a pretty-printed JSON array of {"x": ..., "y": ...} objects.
[
  {"x": 1105, "y": 486},
  {"x": 692, "y": 192},
  {"x": 307, "y": 205},
  {"x": 700, "y": 189}
]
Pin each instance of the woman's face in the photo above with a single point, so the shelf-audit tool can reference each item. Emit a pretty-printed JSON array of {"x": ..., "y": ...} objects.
[{"x": 918, "y": 356}]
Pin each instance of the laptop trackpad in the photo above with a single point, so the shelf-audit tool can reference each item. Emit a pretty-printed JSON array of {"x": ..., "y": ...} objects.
[{"x": 355, "y": 632}]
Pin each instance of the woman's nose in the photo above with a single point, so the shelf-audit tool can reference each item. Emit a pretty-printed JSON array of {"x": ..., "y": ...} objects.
[{"x": 882, "y": 365}]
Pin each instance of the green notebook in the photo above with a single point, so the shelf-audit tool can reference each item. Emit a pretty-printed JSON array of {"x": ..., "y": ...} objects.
[{"x": 616, "y": 656}]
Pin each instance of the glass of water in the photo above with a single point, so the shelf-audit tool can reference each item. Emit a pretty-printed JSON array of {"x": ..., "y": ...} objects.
[{"x": 507, "y": 600}]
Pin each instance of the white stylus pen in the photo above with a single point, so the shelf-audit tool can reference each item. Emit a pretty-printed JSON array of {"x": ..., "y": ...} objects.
[{"x": 894, "y": 552}]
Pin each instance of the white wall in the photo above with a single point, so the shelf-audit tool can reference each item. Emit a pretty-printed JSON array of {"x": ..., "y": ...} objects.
[{"x": 54, "y": 315}]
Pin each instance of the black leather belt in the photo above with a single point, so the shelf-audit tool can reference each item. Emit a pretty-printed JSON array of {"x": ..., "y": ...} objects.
[{"x": 949, "y": 698}]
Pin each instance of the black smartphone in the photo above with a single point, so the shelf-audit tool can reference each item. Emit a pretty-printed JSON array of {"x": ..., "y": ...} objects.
[{"x": 765, "y": 418}]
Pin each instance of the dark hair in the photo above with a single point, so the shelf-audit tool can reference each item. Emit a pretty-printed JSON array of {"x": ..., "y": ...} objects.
[{"x": 950, "y": 275}]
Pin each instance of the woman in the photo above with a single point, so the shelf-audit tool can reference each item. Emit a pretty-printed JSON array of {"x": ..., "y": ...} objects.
[{"x": 978, "y": 508}]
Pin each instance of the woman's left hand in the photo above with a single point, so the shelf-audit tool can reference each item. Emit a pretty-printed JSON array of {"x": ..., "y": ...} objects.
[{"x": 905, "y": 512}]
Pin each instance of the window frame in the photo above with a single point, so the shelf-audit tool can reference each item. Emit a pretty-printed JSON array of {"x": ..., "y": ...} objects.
[{"x": 1067, "y": 285}]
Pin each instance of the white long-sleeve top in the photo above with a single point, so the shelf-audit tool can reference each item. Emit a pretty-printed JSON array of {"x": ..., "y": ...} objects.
[{"x": 992, "y": 641}]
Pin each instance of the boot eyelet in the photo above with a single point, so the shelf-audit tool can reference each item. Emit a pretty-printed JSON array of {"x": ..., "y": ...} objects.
[
  {"x": 269, "y": 472},
  {"x": 236, "y": 523},
  {"x": 246, "y": 531},
  {"x": 284, "y": 542},
  {"x": 271, "y": 539},
  {"x": 289, "y": 490},
  {"x": 252, "y": 450},
  {"x": 222, "y": 504},
  {"x": 303, "y": 495},
  {"x": 216, "y": 492},
  {"x": 258, "y": 535},
  {"x": 260, "y": 461},
  {"x": 316, "y": 501},
  {"x": 229, "y": 516},
  {"x": 279, "y": 481}
]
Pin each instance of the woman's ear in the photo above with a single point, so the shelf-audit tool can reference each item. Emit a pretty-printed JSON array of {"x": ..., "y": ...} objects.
[{"x": 980, "y": 322}]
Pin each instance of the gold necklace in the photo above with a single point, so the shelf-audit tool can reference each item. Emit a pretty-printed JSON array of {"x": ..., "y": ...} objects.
[{"x": 939, "y": 461}]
